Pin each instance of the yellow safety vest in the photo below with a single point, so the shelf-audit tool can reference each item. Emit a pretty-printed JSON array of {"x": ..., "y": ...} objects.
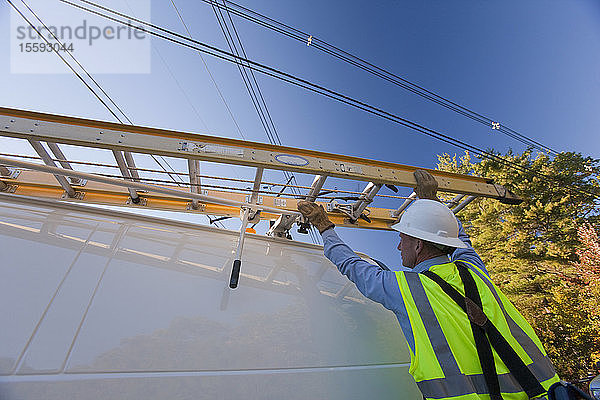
[{"x": 445, "y": 363}]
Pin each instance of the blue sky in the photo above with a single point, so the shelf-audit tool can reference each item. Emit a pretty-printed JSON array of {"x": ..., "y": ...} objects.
[{"x": 532, "y": 65}]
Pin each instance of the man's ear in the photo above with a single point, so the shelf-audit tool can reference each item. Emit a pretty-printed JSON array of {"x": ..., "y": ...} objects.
[{"x": 418, "y": 246}]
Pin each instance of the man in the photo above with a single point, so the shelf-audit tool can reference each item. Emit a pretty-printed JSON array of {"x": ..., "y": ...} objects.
[{"x": 447, "y": 306}]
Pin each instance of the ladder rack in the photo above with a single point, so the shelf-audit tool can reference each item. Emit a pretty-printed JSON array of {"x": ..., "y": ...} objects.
[{"x": 127, "y": 140}]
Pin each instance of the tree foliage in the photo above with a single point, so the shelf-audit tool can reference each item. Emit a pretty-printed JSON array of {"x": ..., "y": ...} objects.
[
  {"x": 532, "y": 250},
  {"x": 589, "y": 269}
]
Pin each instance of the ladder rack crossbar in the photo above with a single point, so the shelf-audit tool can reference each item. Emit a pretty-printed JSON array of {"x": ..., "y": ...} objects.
[
  {"x": 37, "y": 146},
  {"x": 139, "y": 186},
  {"x": 126, "y": 174},
  {"x": 366, "y": 198},
  {"x": 201, "y": 176}
]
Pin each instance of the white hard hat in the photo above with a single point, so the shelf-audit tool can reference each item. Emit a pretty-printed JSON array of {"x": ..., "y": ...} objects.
[{"x": 432, "y": 221}]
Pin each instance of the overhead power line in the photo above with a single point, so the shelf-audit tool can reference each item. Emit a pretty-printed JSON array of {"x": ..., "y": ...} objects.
[
  {"x": 172, "y": 173},
  {"x": 209, "y": 73},
  {"x": 86, "y": 84},
  {"x": 216, "y": 52},
  {"x": 236, "y": 47},
  {"x": 382, "y": 73},
  {"x": 80, "y": 77},
  {"x": 270, "y": 71}
]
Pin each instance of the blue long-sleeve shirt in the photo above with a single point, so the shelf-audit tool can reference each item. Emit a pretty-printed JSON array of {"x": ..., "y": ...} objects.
[{"x": 380, "y": 285}]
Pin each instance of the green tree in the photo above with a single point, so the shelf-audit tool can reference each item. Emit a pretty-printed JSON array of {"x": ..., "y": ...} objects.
[{"x": 531, "y": 249}]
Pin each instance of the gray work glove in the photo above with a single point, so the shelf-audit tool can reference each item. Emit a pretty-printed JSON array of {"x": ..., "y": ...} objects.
[
  {"x": 427, "y": 186},
  {"x": 315, "y": 214}
]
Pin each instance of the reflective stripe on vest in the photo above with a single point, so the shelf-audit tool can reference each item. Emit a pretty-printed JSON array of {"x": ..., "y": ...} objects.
[
  {"x": 437, "y": 338},
  {"x": 434, "y": 348},
  {"x": 460, "y": 385}
]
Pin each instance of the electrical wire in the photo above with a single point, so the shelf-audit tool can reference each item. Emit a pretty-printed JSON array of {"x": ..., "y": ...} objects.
[
  {"x": 210, "y": 74},
  {"x": 80, "y": 77},
  {"x": 364, "y": 65},
  {"x": 78, "y": 64},
  {"x": 277, "y": 74},
  {"x": 244, "y": 72},
  {"x": 182, "y": 90},
  {"x": 270, "y": 124},
  {"x": 253, "y": 88},
  {"x": 286, "y": 77},
  {"x": 63, "y": 59},
  {"x": 114, "y": 103},
  {"x": 106, "y": 94},
  {"x": 213, "y": 81}
]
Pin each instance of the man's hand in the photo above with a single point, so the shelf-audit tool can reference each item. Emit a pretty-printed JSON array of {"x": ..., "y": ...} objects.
[
  {"x": 427, "y": 186},
  {"x": 316, "y": 215}
]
